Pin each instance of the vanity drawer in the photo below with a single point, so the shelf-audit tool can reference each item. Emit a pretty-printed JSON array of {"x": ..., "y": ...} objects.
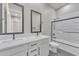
[
  {"x": 33, "y": 51},
  {"x": 13, "y": 50},
  {"x": 33, "y": 44}
]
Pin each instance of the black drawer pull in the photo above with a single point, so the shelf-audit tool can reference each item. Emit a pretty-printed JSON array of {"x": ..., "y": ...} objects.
[
  {"x": 33, "y": 50},
  {"x": 34, "y": 44},
  {"x": 35, "y": 55},
  {"x": 27, "y": 54}
]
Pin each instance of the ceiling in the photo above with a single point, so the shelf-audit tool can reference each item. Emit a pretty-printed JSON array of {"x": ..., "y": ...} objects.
[{"x": 57, "y": 6}]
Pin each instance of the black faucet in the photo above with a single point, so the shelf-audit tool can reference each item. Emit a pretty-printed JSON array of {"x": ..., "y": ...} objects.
[{"x": 13, "y": 36}]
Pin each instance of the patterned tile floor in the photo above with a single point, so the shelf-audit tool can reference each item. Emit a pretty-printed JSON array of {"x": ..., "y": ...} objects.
[{"x": 61, "y": 53}]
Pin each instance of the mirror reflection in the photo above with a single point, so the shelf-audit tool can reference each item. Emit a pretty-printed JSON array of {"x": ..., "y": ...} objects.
[
  {"x": 35, "y": 21},
  {"x": 11, "y": 18}
]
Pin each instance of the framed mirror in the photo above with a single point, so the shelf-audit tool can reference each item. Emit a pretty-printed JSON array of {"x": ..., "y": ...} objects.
[
  {"x": 35, "y": 22},
  {"x": 12, "y": 21}
]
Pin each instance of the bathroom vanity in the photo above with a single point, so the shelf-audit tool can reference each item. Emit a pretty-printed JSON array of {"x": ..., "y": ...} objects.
[
  {"x": 27, "y": 46},
  {"x": 12, "y": 22}
]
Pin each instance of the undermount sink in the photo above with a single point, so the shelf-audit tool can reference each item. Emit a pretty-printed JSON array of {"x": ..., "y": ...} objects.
[
  {"x": 9, "y": 40},
  {"x": 2, "y": 41}
]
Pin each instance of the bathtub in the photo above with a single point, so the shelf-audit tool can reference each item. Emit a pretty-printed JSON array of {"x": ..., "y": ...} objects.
[{"x": 67, "y": 46}]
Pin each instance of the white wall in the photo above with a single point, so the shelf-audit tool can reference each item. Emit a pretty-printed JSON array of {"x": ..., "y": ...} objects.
[
  {"x": 68, "y": 9},
  {"x": 47, "y": 12}
]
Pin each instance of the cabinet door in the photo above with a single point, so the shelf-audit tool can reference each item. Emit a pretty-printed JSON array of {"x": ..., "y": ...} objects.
[
  {"x": 14, "y": 50},
  {"x": 44, "y": 49},
  {"x": 21, "y": 53}
]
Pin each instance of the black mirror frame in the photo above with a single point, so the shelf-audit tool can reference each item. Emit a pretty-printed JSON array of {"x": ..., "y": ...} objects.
[
  {"x": 22, "y": 21},
  {"x": 40, "y": 22}
]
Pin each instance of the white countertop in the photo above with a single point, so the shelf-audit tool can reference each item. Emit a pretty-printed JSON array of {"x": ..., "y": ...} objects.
[{"x": 20, "y": 41}]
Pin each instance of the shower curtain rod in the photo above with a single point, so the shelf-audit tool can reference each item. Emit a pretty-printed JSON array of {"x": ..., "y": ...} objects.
[{"x": 65, "y": 19}]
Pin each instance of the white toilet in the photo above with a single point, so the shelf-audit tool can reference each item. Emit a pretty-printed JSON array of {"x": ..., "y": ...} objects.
[{"x": 54, "y": 47}]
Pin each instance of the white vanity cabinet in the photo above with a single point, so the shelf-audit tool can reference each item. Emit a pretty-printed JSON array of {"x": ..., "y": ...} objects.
[
  {"x": 21, "y": 53},
  {"x": 44, "y": 47},
  {"x": 33, "y": 48},
  {"x": 39, "y": 48},
  {"x": 20, "y": 50},
  {"x": 26, "y": 47}
]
